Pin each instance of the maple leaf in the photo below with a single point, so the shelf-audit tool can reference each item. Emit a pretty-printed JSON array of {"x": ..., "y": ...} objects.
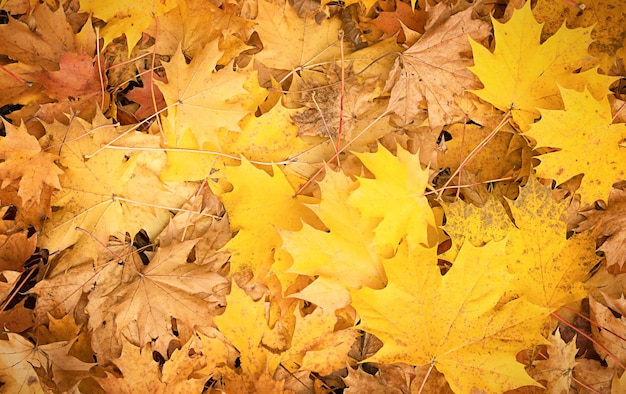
[
  {"x": 395, "y": 196},
  {"x": 610, "y": 223},
  {"x": 168, "y": 287},
  {"x": 195, "y": 23},
  {"x": 201, "y": 102},
  {"x": 244, "y": 324},
  {"x": 148, "y": 96},
  {"x": 523, "y": 75},
  {"x": 588, "y": 141},
  {"x": 549, "y": 267},
  {"x": 128, "y": 18},
  {"x": 23, "y": 160},
  {"x": 278, "y": 23},
  {"x": 76, "y": 87},
  {"x": 316, "y": 346},
  {"x": 434, "y": 69},
  {"x": 272, "y": 202},
  {"x": 200, "y": 99},
  {"x": 347, "y": 253},
  {"x": 610, "y": 347},
  {"x": 140, "y": 372},
  {"x": 43, "y": 45},
  {"x": 452, "y": 321},
  {"x": 608, "y": 26},
  {"x": 558, "y": 369},
  {"x": 107, "y": 193},
  {"x": 24, "y": 364},
  {"x": 18, "y": 357}
]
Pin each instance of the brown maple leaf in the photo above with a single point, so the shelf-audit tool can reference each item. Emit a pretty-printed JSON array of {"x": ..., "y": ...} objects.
[
  {"x": 611, "y": 223},
  {"x": 434, "y": 70}
]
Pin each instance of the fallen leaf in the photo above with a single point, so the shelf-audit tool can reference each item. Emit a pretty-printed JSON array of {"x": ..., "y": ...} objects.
[
  {"x": 309, "y": 42},
  {"x": 558, "y": 369},
  {"x": 128, "y": 18},
  {"x": 434, "y": 70},
  {"x": 77, "y": 88},
  {"x": 23, "y": 160},
  {"x": 549, "y": 267},
  {"x": 461, "y": 331},
  {"x": 523, "y": 75},
  {"x": 588, "y": 143},
  {"x": 610, "y": 223}
]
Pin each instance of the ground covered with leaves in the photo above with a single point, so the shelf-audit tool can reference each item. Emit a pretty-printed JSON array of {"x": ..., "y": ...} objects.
[{"x": 347, "y": 196}]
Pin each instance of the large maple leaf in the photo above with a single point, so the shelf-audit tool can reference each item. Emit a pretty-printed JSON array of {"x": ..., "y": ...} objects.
[
  {"x": 168, "y": 287},
  {"x": 111, "y": 193},
  {"x": 434, "y": 69},
  {"x": 257, "y": 206},
  {"x": 523, "y": 74},
  {"x": 454, "y": 321},
  {"x": 549, "y": 267},
  {"x": 309, "y": 42},
  {"x": 589, "y": 144},
  {"x": 201, "y": 102}
]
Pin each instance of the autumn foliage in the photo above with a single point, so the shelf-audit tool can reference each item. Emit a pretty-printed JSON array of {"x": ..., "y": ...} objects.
[{"x": 312, "y": 197}]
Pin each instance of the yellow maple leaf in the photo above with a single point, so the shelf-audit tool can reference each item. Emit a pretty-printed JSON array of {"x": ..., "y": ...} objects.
[
  {"x": 244, "y": 324},
  {"x": 522, "y": 75},
  {"x": 257, "y": 205},
  {"x": 549, "y": 267},
  {"x": 346, "y": 253},
  {"x": 202, "y": 100},
  {"x": 395, "y": 197},
  {"x": 278, "y": 24},
  {"x": 609, "y": 27},
  {"x": 22, "y": 159},
  {"x": 452, "y": 322},
  {"x": 131, "y": 18},
  {"x": 588, "y": 141}
]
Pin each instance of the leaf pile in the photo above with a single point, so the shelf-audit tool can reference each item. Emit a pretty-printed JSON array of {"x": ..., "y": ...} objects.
[{"x": 270, "y": 196}]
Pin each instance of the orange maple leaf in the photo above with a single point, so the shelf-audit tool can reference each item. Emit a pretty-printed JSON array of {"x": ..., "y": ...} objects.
[{"x": 25, "y": 162}]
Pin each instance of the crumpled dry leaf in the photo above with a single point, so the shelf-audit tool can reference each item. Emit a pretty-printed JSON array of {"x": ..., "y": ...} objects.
[
  {"x": 610, "y": 223},
  {"x": 434, "y": 71}
]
